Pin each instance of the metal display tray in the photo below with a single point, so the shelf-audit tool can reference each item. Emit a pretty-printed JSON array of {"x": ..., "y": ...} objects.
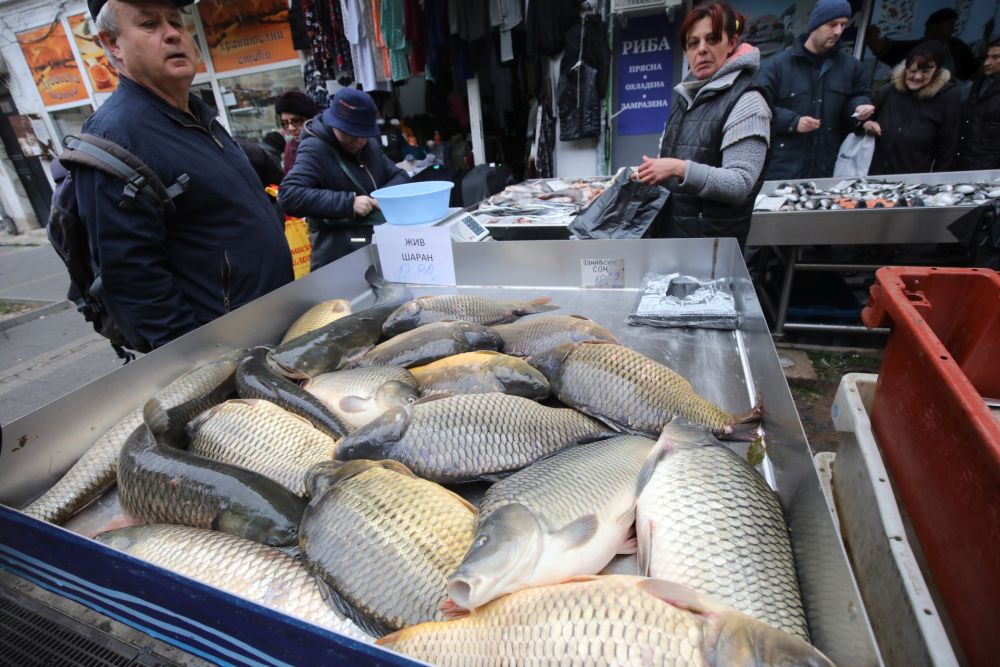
[
  {"x": 865, "y": 226},
  {"x": 724, "y": 366}
]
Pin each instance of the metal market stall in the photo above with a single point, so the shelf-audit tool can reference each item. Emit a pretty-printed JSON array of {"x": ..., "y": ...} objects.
[{"x": 727, "y": 367}]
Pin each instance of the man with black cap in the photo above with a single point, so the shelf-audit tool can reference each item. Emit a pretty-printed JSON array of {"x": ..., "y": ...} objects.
[
  {"x": 338, "y": 166},
  {"x": 166, "y": 273},
  {"x": 939, "y": 27},
  {"x": 293, "y": 108},
  {"x": 817, "y": 91}
]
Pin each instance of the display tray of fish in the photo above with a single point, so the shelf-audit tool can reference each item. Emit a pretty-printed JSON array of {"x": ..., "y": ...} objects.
[
  {"x": 874, "y": 193},
  {"x": 541, "y": 202},
  {"x": 512, "y": 487}
]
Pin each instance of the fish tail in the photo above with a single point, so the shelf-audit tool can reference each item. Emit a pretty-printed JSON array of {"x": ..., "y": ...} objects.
[{"x": 745, "y": 427}]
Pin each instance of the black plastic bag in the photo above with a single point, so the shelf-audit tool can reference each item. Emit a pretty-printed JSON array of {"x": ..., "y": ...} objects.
[
  {"x": 979, "y": 231},
  {"x": 625, "y": 210}
]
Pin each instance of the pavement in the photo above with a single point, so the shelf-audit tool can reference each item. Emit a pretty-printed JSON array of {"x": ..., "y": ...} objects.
[{"x": 50, "y": 350}]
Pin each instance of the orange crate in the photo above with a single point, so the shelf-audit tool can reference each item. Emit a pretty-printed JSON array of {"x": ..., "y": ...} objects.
[{"x": 938, "y": 435}]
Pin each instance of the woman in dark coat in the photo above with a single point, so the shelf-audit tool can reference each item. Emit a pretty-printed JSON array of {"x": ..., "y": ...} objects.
[
  {"x": 917, "y": 116},
  {"x": 715, "y": 142}
]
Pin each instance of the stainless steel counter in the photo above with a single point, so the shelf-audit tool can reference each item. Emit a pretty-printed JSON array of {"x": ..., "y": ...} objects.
[{"x": 725, "y": 367}]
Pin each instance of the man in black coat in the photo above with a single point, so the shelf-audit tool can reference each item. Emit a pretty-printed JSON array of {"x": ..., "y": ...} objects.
[
  {"x": 165, "y": 274},
  {"x": 815, "y": 88},
  {"x": 337, "y": 168},
  {"x": 980, "y": 134}
]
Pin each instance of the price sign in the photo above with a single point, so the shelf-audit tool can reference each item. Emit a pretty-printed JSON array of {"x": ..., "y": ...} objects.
[
  {"x": 416, "y": 254},
  {"x": 602, "y": 273}
]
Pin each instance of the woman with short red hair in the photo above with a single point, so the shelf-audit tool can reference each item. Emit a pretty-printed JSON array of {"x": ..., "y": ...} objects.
[{"x": 715, "y": 142}]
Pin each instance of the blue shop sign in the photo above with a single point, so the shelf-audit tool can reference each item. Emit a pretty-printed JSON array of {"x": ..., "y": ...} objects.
[{"x": 645, "y": 74}]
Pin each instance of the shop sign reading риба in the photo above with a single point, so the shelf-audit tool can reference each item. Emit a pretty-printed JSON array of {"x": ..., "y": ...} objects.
[{"x": 645, "y": 74}]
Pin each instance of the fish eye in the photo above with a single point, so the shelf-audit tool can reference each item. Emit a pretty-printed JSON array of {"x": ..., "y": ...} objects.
[{"x": 481, "y": 540}]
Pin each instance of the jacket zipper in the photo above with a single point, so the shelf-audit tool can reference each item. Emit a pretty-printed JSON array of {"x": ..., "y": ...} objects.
[
  {"x": 374, "y": 184},
  {"x": 226, "y": 274},
  {"x": 205, "y": 130}
]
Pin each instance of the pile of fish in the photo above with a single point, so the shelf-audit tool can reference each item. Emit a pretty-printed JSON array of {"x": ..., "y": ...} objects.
[
  {"x": 330, "y": 478},
  {"x": 541, "y": 201},
  {"x": 867, "y": 193}
]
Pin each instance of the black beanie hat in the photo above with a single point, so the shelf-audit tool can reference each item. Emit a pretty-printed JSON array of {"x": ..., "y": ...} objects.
[{"x": 296, "y": 102}]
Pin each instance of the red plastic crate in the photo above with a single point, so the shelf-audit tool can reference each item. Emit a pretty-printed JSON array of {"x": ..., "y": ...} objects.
[{"x": 938, "y": 436}]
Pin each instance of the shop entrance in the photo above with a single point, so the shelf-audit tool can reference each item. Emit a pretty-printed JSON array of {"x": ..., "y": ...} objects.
[{"x": 29, "y": 169}]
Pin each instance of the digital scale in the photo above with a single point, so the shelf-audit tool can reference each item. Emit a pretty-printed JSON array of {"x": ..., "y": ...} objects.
[{"x": 463, "y": 226}]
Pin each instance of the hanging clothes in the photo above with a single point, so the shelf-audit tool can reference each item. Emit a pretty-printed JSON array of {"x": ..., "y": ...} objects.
[
  {"x": 362, "y": 48},
  {"x": 297, "y": 25},
  {"x": 413, "y": 24},
  {"x": 545, "y": 134},
  {"x": 315, "y": 83},
  {"x": 547, "y": 22},
  {"x": 583, "y": 79},
  {"x": 394, "y": 34},
  {"x": 469, "y": 19},
  {"x": 382, "y": 48},
  {"x": 436, "y": 36},
  {"x": 341, "y": 45},
  {"x": 506, "y": 15},
  {"x": 331, "y": 52}
]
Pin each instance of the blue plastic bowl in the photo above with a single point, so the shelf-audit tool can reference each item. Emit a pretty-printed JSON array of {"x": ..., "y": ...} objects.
[{"x": 414, "y": 203}]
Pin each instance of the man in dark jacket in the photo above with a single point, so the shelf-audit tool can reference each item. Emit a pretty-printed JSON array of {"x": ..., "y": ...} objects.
[
  {"x": 337, "y": 168},
  {"x": 164, "y": 275},
  {"x": 980, "y": 133},
  {"x": 815, "y": 88}
]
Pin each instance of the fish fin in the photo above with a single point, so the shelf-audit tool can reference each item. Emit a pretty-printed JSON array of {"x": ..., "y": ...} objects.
[
  {"x": 497, "y": 476},
  {"x": 340, "y": 604},
  {"x": 629, "y": 546},
  {"x": 580, "y": 317},
  {"x": 664, "y": 445},
  {"x": 579, "y": 578},
  {"x": 644, "y": 541},
  {"x": 353, "y": 404},
  {"x": 452, "y": 610},
  {"x": 579, "y": 531},
  {"x": 472, "y": 508},
  {"x": 390, "y": 639},
  {"x": 432, "y": 397},
  {"x": 340, "y": 306},
  {"x": 682, "y": 597}
]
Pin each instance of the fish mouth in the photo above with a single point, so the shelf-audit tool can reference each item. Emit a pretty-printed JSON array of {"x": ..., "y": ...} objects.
[
  {"x": 288, "y": 371},
  {"x": 459, "y": 590}
]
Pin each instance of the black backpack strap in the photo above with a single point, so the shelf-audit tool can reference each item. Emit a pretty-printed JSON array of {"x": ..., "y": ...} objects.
[{"x": 93, "y": 151}]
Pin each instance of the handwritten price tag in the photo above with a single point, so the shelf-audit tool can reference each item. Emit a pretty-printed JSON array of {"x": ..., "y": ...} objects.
[
  {"x": 415, "y": 254},
  {"x": 602, "y": 273}
]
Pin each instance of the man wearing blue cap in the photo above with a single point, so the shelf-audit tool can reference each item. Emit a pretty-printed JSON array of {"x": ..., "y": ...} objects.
[
  {"x": 337, "y": 168},
  {"x": 165, "y": 272},
  {"x": 817, "y": 91}
]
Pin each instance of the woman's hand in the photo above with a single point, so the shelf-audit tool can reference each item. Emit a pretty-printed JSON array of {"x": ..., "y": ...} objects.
[
  {"x": 654, "y": 171},
  {"x": 871, "y": 127},
  {"x": 363, "y": 205}
]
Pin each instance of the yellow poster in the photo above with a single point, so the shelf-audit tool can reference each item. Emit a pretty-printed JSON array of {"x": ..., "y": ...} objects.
[
  {"x": 103, "y": 75},
  {"x": 50, "y": 59},
  {"x": 246, "y": 33}
]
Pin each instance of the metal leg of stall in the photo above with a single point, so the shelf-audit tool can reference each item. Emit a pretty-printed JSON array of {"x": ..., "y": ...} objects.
[{"x": 790, "y": 260}]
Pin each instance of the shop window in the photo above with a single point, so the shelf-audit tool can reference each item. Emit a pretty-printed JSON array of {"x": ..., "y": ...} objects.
[
  {"x": 70, "y": 121},
  {"x": 249, "y": 100}
]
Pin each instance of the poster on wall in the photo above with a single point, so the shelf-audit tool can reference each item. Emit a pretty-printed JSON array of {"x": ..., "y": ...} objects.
[
  {"x": 645, "y": 76},
  {"x": 103, "y": 75},
  {"x": 50, "y": 58},
  {"x": 246, "y": 33}
]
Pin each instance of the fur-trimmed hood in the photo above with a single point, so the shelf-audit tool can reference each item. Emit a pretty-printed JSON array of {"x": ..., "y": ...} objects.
[{"x": 942, "y": 77}]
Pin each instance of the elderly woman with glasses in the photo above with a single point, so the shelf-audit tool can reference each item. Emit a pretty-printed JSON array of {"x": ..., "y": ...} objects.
[
  {"x": 917, "y": 115},
  {"x": 293, "y": 109}
]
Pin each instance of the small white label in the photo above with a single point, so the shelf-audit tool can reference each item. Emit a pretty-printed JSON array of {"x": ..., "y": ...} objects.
[
  {"x": 418, "y": 254},
  {"x": 385, "y": 140},
  {"x": 602, "y": 273}
]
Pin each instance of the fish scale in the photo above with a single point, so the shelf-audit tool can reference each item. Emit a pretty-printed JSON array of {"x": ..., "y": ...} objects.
[
  {"x": 626, "y": 388},
  {"x": 613, "y": 620},
  {"x": 718, "y": 528},
  {"x": 253, "y": 571},
  {"x": 90, "y": 476},
  {"x": 474, "y": 309},
  {"x": 462, "y": 438},
  {"x": 262, "y": 437},
  {"x": 538, "y": 334},
  {"x": 386, "y": 542}
]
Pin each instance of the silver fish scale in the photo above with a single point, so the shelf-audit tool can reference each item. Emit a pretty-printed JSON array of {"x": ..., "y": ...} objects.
[
  {"x": 265, "y": 439},
  {"x": 718, "y": 528},
  {"x": 573, "y": 483},
  {"x": 253, "y": 571},
  {"x": 461, "y": 436},
  {"x": 475, "y": 309},
  {"x": 607, "y": 621},
  {"x": 619, "y": 384},
  {"x": 538, "y": 334},
  {"x": 90, "y": 476},
  {"x": 366, "y": 381},
  {"x": 387, "y": 543}
]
